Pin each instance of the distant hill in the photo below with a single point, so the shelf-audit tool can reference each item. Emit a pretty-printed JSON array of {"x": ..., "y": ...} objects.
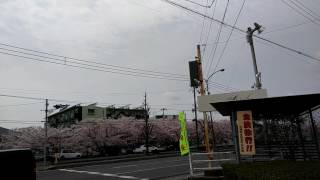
[{"x": 4, "y": 130}]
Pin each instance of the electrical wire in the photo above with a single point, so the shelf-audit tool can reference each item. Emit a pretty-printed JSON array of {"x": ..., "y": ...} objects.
[
  {"x": 87, "y": 61},
  {"x": 89, "y": 67},
  {"x": 203, "y": 23},
  {"x": 205, "y": 6},
  {"x": 229, "y": 36},
  {"x": 84, "y": 65},
  {"x": 14, "y": 105},
  {"x": 214, "y": 50},
  {"x": 223, "y": 87},
  {"x": 77, "y": 102},
  {"x": 305, "y": 9},
  {"x": 18, "y": 121},
  {"x": 241, "y": 30},
  {"x": 228, "y": 89},
  {"x": 298, "y": 10},
  {"x": 210, "y": 29}
]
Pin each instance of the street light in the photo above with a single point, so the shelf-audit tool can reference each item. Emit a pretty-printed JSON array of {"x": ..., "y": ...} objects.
[
  {"x": 211, "y": 120},
  {"x": 257, "y": 74},
  {"x": 207, "y": 80}
]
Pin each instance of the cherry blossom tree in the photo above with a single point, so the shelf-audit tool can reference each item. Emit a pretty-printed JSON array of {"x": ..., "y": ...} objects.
[{"x": 104, "y": 136}]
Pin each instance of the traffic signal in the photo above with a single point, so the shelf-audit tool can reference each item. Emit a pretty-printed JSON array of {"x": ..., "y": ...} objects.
[{"x": 194, "y": 73}]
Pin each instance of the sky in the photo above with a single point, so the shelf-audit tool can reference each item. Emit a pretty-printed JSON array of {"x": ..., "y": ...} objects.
[{"x": 154, "y": 36}]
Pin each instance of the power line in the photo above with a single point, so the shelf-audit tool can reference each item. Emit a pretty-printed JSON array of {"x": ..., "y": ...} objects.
[
  {"x": 85, "y": 64},
  {"x": 68, "y": 101},
  {"x": 287, "y": 48},
  {"x": 14, "y": 105},
  {"x": 214, "y": 50},
  {"x": 37, "y": 98},
  {"x": 205, "y": 6},
  {"x": 222, "y": 86},
  {"x": 298, "y": 10},
  {"x": 265, "y": 32},
  {"x": 210, "y": 28},
  {"x": 203, "y": 23},
  {"x": 230, "y": 34},
  {"x": 95, "y": 69},
  {"x": 305, "y": 7},
  {"x": 15, "y": 121},
  {"x": 87, "y": 61},
  {"x": 18, "y": 121},
  {"x": 21, "y": 97},
  {"x": 241, "y": 30}
]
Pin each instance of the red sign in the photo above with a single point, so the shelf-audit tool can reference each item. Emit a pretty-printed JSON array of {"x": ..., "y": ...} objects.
[{"x": 246, "y": 133}]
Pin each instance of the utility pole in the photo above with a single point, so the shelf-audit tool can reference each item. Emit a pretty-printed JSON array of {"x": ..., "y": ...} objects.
[
  {"x": 147, "y": 124},
  {"x": 163, "y": 109},
  {"x": 257, "y": 74},
  {"x": 46, "y": 134},
  {"x": 202, "y": 92},
  {"x": 196, "y": 115}
]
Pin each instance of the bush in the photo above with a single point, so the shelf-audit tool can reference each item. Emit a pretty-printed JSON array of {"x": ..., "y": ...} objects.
[{"x": 273, "y": 170}]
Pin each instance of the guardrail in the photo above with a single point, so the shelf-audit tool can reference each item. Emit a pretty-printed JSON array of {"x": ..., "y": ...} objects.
[{"x": 208, "y": 161}]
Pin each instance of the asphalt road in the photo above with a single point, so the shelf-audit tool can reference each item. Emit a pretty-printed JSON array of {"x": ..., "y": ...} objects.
[{"x": 162, "y": 168}]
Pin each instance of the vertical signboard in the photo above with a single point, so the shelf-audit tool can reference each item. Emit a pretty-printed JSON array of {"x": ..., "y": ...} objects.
[
  {"x": 183, "y": 142},
  {"x": 246, "y": 133}
]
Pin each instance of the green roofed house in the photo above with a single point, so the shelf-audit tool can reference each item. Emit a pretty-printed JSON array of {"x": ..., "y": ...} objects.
[{"x": 67, "y": 116}]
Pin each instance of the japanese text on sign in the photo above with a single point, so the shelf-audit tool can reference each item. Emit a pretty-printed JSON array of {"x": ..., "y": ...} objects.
[{"x": 246, "y": 133}]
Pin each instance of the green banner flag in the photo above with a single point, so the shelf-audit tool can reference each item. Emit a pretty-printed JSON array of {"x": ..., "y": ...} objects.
[{"x": 183, "y": 142}]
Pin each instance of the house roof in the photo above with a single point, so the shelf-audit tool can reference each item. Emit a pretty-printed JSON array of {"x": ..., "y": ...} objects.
[
  {"x": 286, "y": 105},
  {"x": 66, "y": 109}
]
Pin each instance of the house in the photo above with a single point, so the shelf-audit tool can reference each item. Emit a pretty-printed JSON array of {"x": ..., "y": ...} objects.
[{"x": 77, "y": 113}]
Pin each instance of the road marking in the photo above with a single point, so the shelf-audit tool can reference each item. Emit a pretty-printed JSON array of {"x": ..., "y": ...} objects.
[
  {"x": 132, "y": 165},
  {"x": 102, "y": 174},
  {"x": 127, "y": 177},
  {"x": 150, "y": 169},
  {"x": 116, "y": 167}
]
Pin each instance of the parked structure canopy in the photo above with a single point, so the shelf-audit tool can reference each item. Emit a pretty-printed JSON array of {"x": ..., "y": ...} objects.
[{"x": 287, "y": 105}]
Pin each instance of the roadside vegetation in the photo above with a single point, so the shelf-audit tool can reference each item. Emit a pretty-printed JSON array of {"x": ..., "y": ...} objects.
[{"x": 110, "y": 137}]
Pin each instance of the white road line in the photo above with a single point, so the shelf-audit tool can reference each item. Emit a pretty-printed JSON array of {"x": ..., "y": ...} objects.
[
  {"x": 131, "y": 165},
  {"x": 106, "y": 174},
  {"x": 150, "y": 169},
  {"x": 127, "y": 177},
  {"x": 102, "y": 174}
]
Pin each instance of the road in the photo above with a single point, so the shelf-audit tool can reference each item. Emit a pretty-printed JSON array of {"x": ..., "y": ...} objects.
[{"x": 162, "y": 168}]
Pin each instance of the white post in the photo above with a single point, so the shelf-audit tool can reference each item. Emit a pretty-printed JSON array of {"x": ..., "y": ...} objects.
[
  {"x": 190, "y": 158},
  {"x": 190, "y": 163}
]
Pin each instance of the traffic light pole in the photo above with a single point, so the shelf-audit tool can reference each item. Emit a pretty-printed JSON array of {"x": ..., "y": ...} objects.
[{"x": 196, "y": 115}]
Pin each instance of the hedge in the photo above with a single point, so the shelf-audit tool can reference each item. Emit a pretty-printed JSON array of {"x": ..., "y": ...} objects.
[{"x": 273, "y": 170}]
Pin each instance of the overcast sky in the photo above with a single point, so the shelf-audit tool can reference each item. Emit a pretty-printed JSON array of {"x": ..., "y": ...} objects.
[{"x": 151, "y": 35}]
